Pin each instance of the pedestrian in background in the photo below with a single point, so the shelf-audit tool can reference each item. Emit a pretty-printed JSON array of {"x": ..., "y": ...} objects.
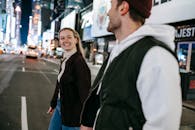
[
  {"x": 138, "y": 86},
  {"x": 73, "y": 83},
  {"x": 53, "y": 45}
]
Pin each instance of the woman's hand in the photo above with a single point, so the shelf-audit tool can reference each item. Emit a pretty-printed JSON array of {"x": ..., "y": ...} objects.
[
  {"x": 85, "y": 128},
  {"x": 50, "y": 111}
]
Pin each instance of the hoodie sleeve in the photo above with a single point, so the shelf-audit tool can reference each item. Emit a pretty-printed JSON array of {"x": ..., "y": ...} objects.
[{"x": 159, "y": 88}]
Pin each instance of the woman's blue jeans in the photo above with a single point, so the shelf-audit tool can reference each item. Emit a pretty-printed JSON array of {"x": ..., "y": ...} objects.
[{"x": 56, "y": 120}]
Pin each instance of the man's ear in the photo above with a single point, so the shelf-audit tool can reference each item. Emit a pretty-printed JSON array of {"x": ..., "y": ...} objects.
[{"x": 124, "y": 8}]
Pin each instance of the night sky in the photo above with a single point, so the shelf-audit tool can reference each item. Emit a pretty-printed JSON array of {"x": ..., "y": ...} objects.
[{"x": 26, "y": 6}]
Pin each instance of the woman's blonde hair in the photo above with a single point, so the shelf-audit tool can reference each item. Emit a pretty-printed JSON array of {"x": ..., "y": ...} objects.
[{"x": 77, "y": 36}]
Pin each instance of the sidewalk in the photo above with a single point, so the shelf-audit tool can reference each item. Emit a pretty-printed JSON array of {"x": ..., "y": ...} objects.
[{"x": 95, "y": 68}]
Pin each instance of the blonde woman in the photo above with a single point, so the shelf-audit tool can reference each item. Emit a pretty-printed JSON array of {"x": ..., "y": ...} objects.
[{"x": 72, "y": 85}]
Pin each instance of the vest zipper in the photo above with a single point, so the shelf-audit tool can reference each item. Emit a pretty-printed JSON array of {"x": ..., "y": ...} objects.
[
  {"x": 89, "y": 97},
  {"x": 98, "y": 111}
]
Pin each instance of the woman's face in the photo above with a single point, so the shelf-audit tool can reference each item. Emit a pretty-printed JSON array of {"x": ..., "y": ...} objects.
[{"x": 67, "y": 40}]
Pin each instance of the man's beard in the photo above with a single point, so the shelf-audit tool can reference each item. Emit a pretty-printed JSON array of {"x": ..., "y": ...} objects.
[
  {"x": 112, "y": 27},
  {"x": 109, "y": 28}
]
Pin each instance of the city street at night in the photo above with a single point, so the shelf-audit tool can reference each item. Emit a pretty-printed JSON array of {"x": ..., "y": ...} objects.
[{"x": 143, "y": 50}]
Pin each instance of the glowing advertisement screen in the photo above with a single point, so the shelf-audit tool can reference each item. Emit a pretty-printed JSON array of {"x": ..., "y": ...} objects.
[
  {"x": 171, "y": 11},
  {"x": 3, "y": 22},
  {"x": 87, "y": 22},
  {"x": 69, "y": 20},
  {"x": 100, "y": 18}
]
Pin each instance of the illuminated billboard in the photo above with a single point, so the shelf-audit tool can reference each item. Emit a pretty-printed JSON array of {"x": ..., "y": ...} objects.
[
  {"x": 87, "y": 22},
  {"x": 100, "y": 18},
  {"x": 69, "y": 20},
  {"x": 171, "y": 11},
  {"x": 3, "y": 22}
]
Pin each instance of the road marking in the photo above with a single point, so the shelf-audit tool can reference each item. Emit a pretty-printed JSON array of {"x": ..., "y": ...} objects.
[
  {"x": 24, "y": 114},
  {"x": 23, "y": 69},
  {"x": 45, "y": 77}
]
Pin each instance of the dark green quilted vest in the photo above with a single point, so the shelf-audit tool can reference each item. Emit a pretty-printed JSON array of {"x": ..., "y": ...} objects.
[{"x": 120, "y": 105}]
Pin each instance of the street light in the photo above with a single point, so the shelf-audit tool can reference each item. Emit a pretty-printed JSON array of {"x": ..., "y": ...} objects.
[{"x": 18, "y": 9}]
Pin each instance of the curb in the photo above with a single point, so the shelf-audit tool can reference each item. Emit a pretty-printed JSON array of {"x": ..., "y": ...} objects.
[
  {"x": 189, "y": 106},
  {"x": 56, "y": 61}
]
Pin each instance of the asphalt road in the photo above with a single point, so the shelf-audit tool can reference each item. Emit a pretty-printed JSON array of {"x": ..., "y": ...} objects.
[
  {"x": 29, "y": 78},
  {"x": 35, "y": 80}
]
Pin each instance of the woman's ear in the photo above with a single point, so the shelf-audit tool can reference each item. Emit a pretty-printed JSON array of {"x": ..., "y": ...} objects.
[{"x": 76, "y": 40}]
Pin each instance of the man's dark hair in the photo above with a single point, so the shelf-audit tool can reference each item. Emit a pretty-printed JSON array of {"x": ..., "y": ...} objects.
[{"x": 135, "y": 15}]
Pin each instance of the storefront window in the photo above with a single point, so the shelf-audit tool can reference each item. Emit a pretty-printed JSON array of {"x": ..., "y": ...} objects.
[
  {"x": 186, "y": 56},
  {"x": 182, "y": 55},
  {"x": 192, "y": 61}
]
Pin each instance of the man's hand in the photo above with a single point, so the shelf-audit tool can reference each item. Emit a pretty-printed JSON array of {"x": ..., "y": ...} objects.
[{"x": 85, "y": 128}]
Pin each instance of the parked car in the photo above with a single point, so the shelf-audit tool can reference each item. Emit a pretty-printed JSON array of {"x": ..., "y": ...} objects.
[
  {"x": 2, "y": 50},
  {"x": 59, "y": 52}
]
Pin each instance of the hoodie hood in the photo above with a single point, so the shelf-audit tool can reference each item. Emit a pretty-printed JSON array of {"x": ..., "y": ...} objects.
[{"x": 164, "y": 33}]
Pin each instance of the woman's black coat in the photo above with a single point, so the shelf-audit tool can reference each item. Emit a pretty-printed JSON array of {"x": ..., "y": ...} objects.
[{"x": 74, "y": 86}]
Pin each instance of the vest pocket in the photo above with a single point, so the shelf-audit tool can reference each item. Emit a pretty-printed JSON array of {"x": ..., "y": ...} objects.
[{"x": 112, "y": 118}]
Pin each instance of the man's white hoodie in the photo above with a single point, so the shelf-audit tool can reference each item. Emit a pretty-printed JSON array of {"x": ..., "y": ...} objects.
[{"x": 158, "y": 82}]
